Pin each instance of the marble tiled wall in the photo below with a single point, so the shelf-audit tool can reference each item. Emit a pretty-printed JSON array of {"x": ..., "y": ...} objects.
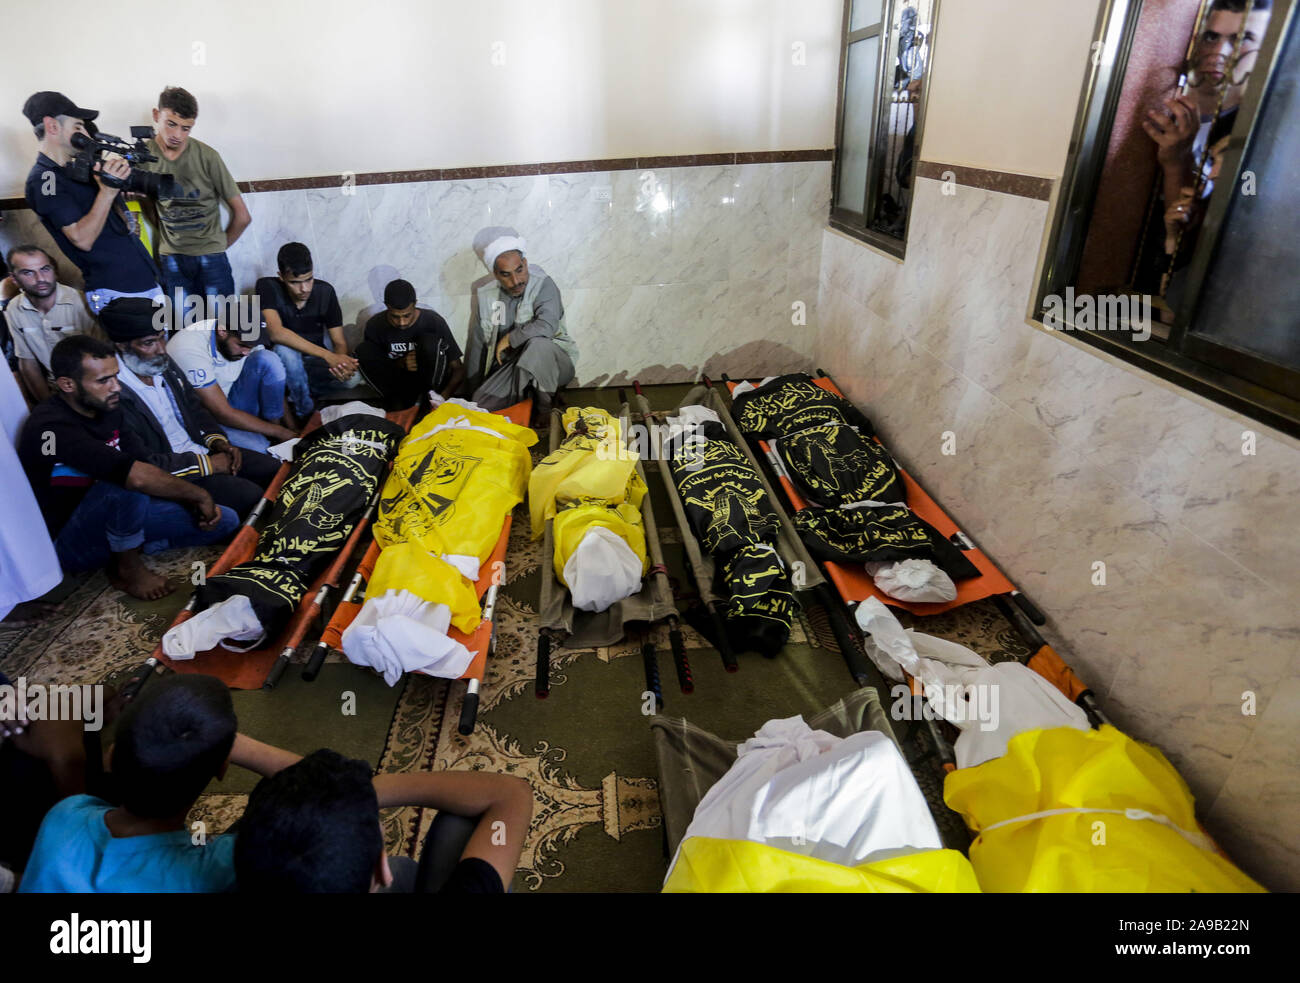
[
  {"x": 1065, "y": 458},
  {"x": 682, "y": 269}
]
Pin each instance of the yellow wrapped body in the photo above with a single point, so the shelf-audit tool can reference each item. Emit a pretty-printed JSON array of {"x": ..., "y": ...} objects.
[
  {"x": 714, "y": 866},
  {"x": 1118, "y": 818},
  {"x": 450, "y": 490}
]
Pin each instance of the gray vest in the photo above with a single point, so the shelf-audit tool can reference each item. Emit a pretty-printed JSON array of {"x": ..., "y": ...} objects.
[{"x": 490, "y": 293}]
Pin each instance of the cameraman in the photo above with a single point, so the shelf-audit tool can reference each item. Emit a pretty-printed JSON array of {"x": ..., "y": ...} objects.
[{"x": 88, "y": 220}]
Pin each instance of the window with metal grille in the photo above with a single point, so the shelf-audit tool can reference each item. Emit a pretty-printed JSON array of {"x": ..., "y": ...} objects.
[{"x": 884, "y": 68}]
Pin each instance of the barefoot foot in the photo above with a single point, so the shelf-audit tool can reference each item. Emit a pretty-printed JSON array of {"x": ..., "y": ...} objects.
[{"x": 128, "y": 573}]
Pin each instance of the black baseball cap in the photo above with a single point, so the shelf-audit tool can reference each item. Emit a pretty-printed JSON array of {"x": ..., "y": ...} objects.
[{"x": 43, "y": 104}]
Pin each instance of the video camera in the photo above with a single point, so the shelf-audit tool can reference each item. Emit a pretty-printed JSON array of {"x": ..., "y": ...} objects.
[{"x": 95, "y": 145}]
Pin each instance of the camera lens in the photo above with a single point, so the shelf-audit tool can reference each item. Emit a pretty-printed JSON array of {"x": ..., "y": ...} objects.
[{"x": 153, "y": 185}]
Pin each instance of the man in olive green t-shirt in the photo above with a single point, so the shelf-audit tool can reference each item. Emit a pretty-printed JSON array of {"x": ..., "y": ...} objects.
[{"x": 191, "y": 242}]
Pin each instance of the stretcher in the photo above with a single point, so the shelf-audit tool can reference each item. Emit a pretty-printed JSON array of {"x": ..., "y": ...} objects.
[
  {"x": 854, "y": 585},
  {"x": 263, "y": 666},
  {"x": 481, "y": 642},
  {"x": 653, "y": 603},
  {"x": 806, "y": 579}
]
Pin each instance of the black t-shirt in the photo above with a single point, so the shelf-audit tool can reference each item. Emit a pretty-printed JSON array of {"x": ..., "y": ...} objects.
[
  {"x": 116, "y": 260},
  {"x": 320, "y": 313},
  {"x": 399, "y": 342},
  {"x": 63, "y": 453}
]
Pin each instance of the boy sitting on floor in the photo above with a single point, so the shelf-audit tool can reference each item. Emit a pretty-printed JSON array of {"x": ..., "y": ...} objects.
[
  {"x": 177, "y": 736},
  {"x": 314, "y": 828}
]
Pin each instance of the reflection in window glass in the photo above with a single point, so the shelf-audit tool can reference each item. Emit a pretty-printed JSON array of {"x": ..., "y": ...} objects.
[
  {"x": 855, "y": 149},
  {"x": 1251, "y": 296},
  {"x": 907, "y": 56}
]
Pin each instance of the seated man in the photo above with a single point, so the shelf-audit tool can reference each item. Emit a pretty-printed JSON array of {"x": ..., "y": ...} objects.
[
  {"x": 314, "y": 828},
  {"x": 102, "y": 502},
  {"x": 407, "y": 352},
  {"x": 237, "y": 380},
  {"x": 299, "y": 310},
  {"x": 178, "y": 432},
  {"x": 171, "y": 741},
  {"x": 42, "y": 315},
  {"x": 517, "y": 344}
]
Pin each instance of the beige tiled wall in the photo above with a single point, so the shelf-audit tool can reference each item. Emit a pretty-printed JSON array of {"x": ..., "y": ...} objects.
[
  {"x": 1065, "y": 458},
  {"x": 682, "y": 269}
]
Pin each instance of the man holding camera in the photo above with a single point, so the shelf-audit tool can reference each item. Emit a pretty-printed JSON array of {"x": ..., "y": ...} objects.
[{"x": 89, "y": 220}]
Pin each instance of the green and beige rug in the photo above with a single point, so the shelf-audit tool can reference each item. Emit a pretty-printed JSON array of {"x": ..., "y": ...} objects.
[{"x": 586, "y": 750}]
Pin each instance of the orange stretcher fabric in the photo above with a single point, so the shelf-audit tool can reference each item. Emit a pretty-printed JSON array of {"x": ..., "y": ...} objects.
[
  {"x": 852, "y": 580},
  {"x": 248, "y": 670}
]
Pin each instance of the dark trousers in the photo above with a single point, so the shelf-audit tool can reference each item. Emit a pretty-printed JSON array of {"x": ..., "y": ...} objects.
[
  {"x": 111, "y": 519},
  {"x": 240, "y": 492},
  {"x": 443, "y": 846},
  {"x": 399, "y": 387}
]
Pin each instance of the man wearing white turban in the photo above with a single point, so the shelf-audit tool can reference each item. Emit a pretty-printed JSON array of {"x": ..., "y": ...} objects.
[{"x": 517, "y": 345}]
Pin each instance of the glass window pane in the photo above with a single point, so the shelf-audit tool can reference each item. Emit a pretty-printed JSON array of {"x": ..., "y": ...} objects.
[
  {"x": 855, "y": 147},
  {"x": 907, "y": 53},
  {"x": 1251, "y": 292},
  {"x": 865, "y": 13}
]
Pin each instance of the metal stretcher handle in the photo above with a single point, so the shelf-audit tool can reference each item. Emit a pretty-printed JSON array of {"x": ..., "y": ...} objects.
[
  {"x": 330, "y": 637},
  {"x": 139, "y": 678},
  {"x": 724, "y": 640},
  {"x": 277, "y": 670},
  {"x": 678, "y": 644},
  {"x": 1030, "y": 609},
  {"x": 843, "y": 633},
  {"x": 542, "y": 684},
  {"x": 469, "y": 709},
  {"x": 652, "y": 683},
  {"x": 921, "y": 711}
]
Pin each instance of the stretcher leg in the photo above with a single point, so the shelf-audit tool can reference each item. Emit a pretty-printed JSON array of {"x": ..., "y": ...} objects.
[{"x": 469, "y": 709}]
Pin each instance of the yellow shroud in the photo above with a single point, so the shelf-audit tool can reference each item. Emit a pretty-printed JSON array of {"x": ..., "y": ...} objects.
[
  {"x": 450, "y": 492},
  {"x": 707, "y": 865},
  {"x": 571, "y": 525},
  {"x": 1120, "y": 802},
  {"x": 405, "y": 566},
  {"x": 591, "y": 466}
]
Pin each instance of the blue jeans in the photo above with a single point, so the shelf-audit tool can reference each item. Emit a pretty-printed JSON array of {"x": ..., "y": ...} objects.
[
  {"x": 259, "y": 390},
  {"x": 196, "y": 276},
  {"x": 111, "y": 519},
  {"x": 307, "y": 376}
]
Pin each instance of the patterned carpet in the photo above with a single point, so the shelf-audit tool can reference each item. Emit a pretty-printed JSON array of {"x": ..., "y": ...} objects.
[{"x": 586, "y": 750}]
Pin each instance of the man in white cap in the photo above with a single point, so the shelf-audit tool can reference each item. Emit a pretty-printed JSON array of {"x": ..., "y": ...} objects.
[{"x": 517, "y": 343}]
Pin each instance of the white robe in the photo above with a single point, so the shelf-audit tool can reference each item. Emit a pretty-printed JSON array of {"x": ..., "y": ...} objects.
[
  {"x": 28, "y": 565},
  {"x": 847, "y": 801}
]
